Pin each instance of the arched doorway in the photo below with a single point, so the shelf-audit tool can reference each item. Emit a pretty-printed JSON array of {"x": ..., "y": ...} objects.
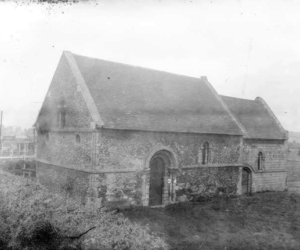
[
  {"x": 161, "y": 178},
  {"x": 156, "y": 188},
  {"x": 246, "y": 180}
]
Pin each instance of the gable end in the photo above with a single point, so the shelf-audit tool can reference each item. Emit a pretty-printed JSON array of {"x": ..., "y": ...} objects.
[{"x": 83, "y": 88}]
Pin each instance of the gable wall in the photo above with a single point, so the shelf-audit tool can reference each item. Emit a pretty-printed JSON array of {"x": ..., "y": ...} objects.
[
  {"x": 62, "y": 149},
  {"x": 64, "y": 86}
]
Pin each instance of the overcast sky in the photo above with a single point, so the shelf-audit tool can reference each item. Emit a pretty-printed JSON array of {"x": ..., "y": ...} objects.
[{"x": 245, "y": 48}]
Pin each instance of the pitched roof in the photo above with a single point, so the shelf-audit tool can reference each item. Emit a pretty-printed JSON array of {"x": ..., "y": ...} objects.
[
  {"x": 256, "y": 117},
  {"x": 129, "y": 97}
]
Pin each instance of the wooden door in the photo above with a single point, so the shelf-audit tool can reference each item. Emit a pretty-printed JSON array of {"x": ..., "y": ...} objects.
[
  {"x": 157, "y": 170},
  {"x": 245, "y": 181}
]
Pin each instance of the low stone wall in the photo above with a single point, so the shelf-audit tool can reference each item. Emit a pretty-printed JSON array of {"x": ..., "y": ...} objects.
[
  {"x": 119, "y": 188},
  {"x": 132, "y": 187},
  {"x": 124, "y": 188},
  {"x": 196, "y": 184}
]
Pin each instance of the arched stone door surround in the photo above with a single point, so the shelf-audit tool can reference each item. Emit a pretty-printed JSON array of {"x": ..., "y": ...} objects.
[{"x": 160, "y": 179}]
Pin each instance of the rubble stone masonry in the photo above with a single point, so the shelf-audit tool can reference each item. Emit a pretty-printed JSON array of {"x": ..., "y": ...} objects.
[{"x": 272, "y": 176}]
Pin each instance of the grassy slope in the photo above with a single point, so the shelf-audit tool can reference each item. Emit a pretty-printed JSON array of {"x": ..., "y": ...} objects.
[
  {"x": 31, "y": 217},
  {"x": 263, "y": 221}
]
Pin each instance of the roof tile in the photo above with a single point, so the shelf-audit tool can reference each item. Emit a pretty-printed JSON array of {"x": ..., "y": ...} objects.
[
  {"x": 129, "y": 97},
  {"x": 255, "y": 118}
]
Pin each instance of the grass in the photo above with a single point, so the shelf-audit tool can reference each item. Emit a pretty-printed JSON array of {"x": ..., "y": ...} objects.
[
  {"x": 263, "y": 221},
  {"x": 29, "y": 215}
]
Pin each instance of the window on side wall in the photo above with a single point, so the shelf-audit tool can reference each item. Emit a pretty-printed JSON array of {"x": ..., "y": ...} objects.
[
  {"x": 260, "y": 161},
  {"x": 205, "y": 153}
]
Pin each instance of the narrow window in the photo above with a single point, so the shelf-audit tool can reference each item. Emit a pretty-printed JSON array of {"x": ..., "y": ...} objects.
[
  {"x": 61, "y": 115},
  {"x": 260, "y": 161},
  {"x": 61, "y": 118},
  {"x": 205, "y": 153},
  {"x": 77, "y": 138}
]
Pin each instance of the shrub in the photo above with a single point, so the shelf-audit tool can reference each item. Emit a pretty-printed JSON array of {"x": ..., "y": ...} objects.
[
  {"x": 31, "y": 217},
  {"x": 118, "y": 233}
]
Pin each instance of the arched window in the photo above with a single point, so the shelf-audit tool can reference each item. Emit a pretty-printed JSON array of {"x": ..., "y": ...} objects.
[
  {"x": 205, "y": 153},
  {"x": 77, "y": 138},
  {"x": 260, "y": 161},
  {"x": 61, "y": 114}
]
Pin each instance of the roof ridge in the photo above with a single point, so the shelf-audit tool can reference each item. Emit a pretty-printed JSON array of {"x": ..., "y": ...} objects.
[
  {"x": 135, "y": 66},
  {"x": 250, "y": 100}
]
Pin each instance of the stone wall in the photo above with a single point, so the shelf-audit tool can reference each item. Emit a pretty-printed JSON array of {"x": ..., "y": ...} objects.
[
  {"x": 190, "y": 184},
  {"x": 119, "y": 149},
  {"x": 274, "y": 151},
  {"x": 190, "y": 180},
  {"x": 117, "y": 164},
  {"x": 62, "y": 149},
  {"x": 272, "y": 176},
  {"x": 64, "y": 88},
  {"x": 120, "y": 172},
  {"x": 200, "y": 183},
  {"x": 58, "y": 145},
  {"x": 117, "y": 188}
]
